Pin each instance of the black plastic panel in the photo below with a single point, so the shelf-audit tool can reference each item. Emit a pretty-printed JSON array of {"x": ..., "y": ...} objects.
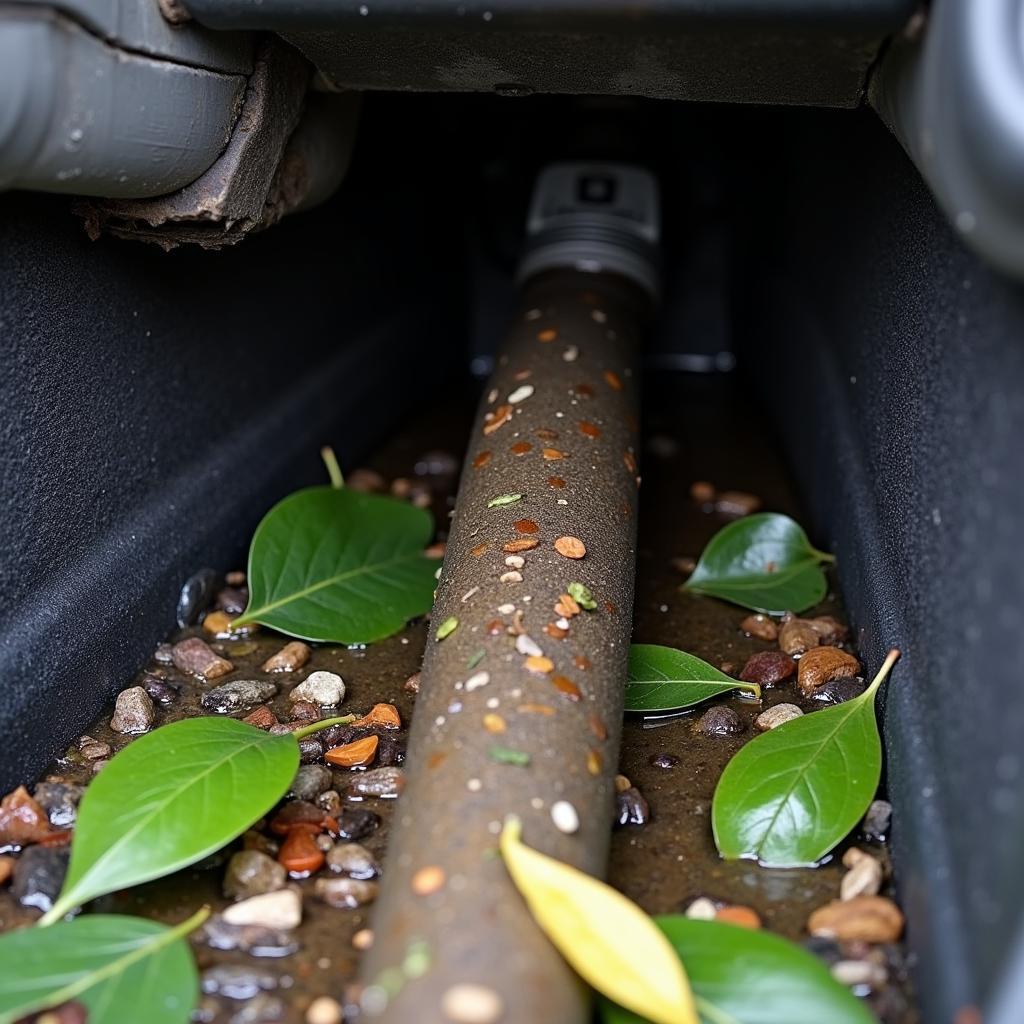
[
  {"x": 895, "y": 361},
  {"x": 154, "y": 405}
]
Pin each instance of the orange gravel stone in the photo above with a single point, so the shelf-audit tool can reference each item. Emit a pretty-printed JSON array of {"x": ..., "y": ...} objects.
[
  {"x": 589, "y": 429},
  {"x": 570, "y": 547},
  {"x": 6, "y": 868},
  {"x": 299, "y": 853},
  {"x": 568, "y": 687},
  {"x": 494, "y": 723},
  {"x": 630, "y": 461},
  {"x": 555, "y": 632},
  {"x": 498, "y": 418},
  {"x": 567, "y": 606},
  {"x": 582, "y": 662},
  {"x": 520, "y": 544},
  {"x": 548, "y": 334},
  {"x": 495, "y": 627},
  {"x": 525, "y": 526},
  {"x": 538, "y": 663},
  {"x": 356, "y": 754},
  {"x": 535, "y": 709},
  {"x": 428, "y": 880},
  {"x": 597, "y": 727},
  {"x": 552, "y": 454},
  {"x": 384, "y": 715},
  {"x": 521, "y": 448},
  {"x": 479, "y": 550},
  {"x": 556, "y": 482},
  {"x": 614, "y": 382},
  {"x": 481, "y": 460},
  {"x": 745, "y": 917},
  {"x": 595, "y": 762},
  {"x": 546, "y": 435}
]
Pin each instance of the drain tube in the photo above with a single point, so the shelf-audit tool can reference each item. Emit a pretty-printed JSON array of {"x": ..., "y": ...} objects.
[{"x": 520, "y": 702}]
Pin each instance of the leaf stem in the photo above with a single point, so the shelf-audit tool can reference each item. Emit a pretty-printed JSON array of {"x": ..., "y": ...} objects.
[
  {"x": 824, "y": 556},
  {"x": 333, "y": 469},
  {"x": 326, "y": 723},
  {"x": 890, "y": 660}
]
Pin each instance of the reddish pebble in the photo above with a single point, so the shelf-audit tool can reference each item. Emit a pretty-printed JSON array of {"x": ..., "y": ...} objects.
[
  {"x": 767, "y": 668},
  {"x": 22, "y": 820},
  {"x": 262, "y": 717},
  {"x": 299, "y": 853},
  {"x": 556, "y": 481},
  {"x": 521, "y": 448},
  {"x": 525, "y": 526},
  {"x": 589, "y": 429},
  {"x": 745, "y": 917},
  {"x": 481, "y": 460},
  {"x": 383, "y": 715},
  {"x": 613, "y": 380},
  {"x": 357, "y": 754},
  {"x": 567, "y": 686},
  {"x": 547, "y": 335}
]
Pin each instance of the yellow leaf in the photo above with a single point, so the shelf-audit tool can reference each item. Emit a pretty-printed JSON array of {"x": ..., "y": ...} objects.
[{"x": 608, "y": 940}]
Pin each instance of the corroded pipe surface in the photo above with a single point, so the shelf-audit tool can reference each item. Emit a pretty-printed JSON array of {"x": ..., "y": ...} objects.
[{"x": 500, "y": 726}]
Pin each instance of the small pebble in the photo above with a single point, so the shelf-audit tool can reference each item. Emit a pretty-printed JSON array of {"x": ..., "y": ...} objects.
[
  {"x": 526, "y": 645},
  {"x": 238, "y": 695},
  {"x": 197, "y": 594},
  {"x": 60, "y": 801},
  {"x": 736, "y": 503},
  {"x": 39, "y": 874},
  {"x": 702, "y": 492},
  {"x": 877, "y": 821},
  {"x": 133, "y": 711},
  {"x": 631, "y": 808},
  {"x": 472, "y": 1004},
  {"x": 368, "y": 481},
  {"x": 356, "y": 823},
  {"x": 291, "y": 657},
  {"x": 839, "y": 691},
  {"x": 269, "y": 942},
  {"x": 345, "y": 893},
  {"x": 353, "y": 860},
  {"x": 363, "y": 939},
  {"x": 520, "y": 394},
  {"x": 858, "y": 973},
  {"x": 412, "y": 684},
  {"x": 281, "y": 909},
  {"x": 310, "y": 781},
  {"x": 252, "y": 873},
  {"x": 797, "y": 636},
  {"x": 663, "y": 761},
  {"x": 564, "y": 815},
  {"x": 864, "y": 877},
  {"x": 324, "y": 1010},
  {"x": 702, "y": 909},
  {"x": 196, "y": 657},
  {"x": 768, "y": 668},
  {"x": 719, "y": 721},
  {"x": 384, "y": 783},
  {"x": 232, "y": 600},
  {"x": 824, "y": 665},
  {"x": 237, "y": 981},
  {"x": 357, "y": 754},
  {"x": 323, "y": 688},
  {"x": 570, "y": 547},
  {"x": 863, "y": 919},
  {"x": 760, "y": 626},
  {"x": 744, "y": 917},
  {"x": 159, "y": 689},
  {"x": 776, "y": 716}
]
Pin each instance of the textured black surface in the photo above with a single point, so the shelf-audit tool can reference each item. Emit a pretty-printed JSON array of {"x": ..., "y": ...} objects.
[
  {"x": 896, "y": 362},
  {"x": 761, "y": 51},
  {"x": 154, "y": 405}
]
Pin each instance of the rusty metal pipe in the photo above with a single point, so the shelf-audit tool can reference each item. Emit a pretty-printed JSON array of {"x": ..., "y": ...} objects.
[{"x": 499, "y": 729}]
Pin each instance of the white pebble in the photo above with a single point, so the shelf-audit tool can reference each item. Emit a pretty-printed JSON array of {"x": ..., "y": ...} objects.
[
  {"x": 599, "y": 316},
  {"x": 571, "y": 354},
  {"x": 775, "y": 716},
  {"x": 474, "y": 785},
  {"x": 515, "y": 561},
  {"x": 506, "y": 609},
  {"x": 320, "y": 688},
  {"x": 472, "y": 1004},
  {"x": 702, "y": 909},
  {"x": 280, "y": 909},
  {"x": 528, "y": 646},
  {"x": 564, "y": 815},
  {"x": 474, "y": 682},
  {"x": 324, "y": 1010},
  {"x": 562, "y": 623},
  {"x": 512, "y": 576},
  {"x": 521, "y": 394}
]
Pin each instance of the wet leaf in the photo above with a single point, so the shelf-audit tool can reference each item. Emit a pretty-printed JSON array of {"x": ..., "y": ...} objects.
[
  {"x": 788, "y": 796},
  {"x": 581, "y": 594},
  {"x": 447, "y": 628},
  {"x": 340, "y": 566},
  {"x": 170, "y": 798},
  {"x": 504, "y": 499},
  {"x": 609, "y": 941},
  {"x": 506, "y": 755},
  {"x": 741, "y": 976},
  {"x": 764, "y": 562},
  {"x": 664, "y": 679},
  {"x": 116, "y": 966}
]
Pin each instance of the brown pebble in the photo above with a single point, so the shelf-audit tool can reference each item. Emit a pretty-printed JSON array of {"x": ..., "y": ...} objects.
[
  {"x": 556, "y": 481},
  {"x": 737, "y": 503},
  {"x": 412, "y": 684},
  {"x": 368, "y": 481},
  {"x": 684, "y": 564},
  {"x": 589, "y": 429},
  {"x": 861, "y": 919},
  {"x": 567, "y": 687},
  {"x": 567, "y": 606},
  {"x": 552, "y": 454},
  {"x": 768, "y": 668},
  {"x": 22, "y": 819},
  {"x": 864, "y": 877},
  {"x": 760, "y": 626},
  {"x": 196, "y": 657},
  {"x": 363, "y": 939},
  {"x": 235, "y": 578},
  {"x": 357, "y": 754},
  {"x": 6, "y": 868},
  {"x": 521, "y": 448},
  {"x": 481, "y": 460},
  {"x": 597, "y": 727},
  {"x": 582, "y": 662},
  {"x": 479, "y": 550},
  {"x": 570, "y": 547},
  {"x": 218, "y": 623},
  {"x": 824, "y": 665},
  {"x": 555, "y": 632},
  {"x": 383, "y": 716},
  {"x": 436, "y": 550},
  {"x": 745, "y": 917},
  {"x": 261, "y": 717},
  {"x": 525, "y": 526},
  {"x": 702, "y": 492},
  {"x": 613, "y": 380},
  {"x": 513, "y": 547},
  {"x": 345, "y": 893},
  {"x": 797, "y": 636},
  {"x": 384, "y": 783},
  {"x": 539, "y": 664},
  {"x": 719, "y": 721},
  {"x": 775, "y": 716},
  {"x": 427, "y": 880},
  {"x": 291, "y": 657},
  {"x": 498, "y": 418},
  {"x": 830, "y": 631}
]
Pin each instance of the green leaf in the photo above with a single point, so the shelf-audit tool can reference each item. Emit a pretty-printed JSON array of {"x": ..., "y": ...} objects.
[
  {"x": 741, "y": 976},
  {"x": 340, "y": 566},
  {"x": 120, "y": 968},
  {"x": 791, "y": 794},
  {"x": 170, "y": 798},
  {"x": 664, "y": 679},
  {"x": 764, "y": 562}
]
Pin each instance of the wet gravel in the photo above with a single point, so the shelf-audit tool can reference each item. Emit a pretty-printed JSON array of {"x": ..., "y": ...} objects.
[{"x": 663, "y": 855}]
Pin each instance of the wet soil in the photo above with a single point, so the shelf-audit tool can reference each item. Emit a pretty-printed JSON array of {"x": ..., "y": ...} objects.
[{"x": 696, "y": 428}]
